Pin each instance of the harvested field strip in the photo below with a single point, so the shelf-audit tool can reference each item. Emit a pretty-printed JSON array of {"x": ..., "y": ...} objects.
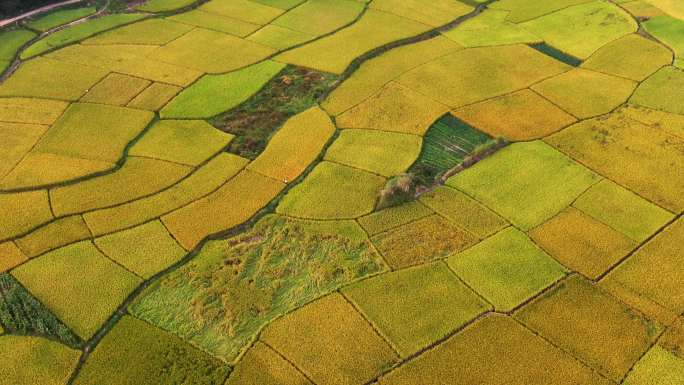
[
  {"x": 235, "y": 286},
  {"x": 293, "y": 90},
  {"x": 446, "y": 144},
  {"x": 556, "y": 54},
  {"x": 22, "y": 314}
]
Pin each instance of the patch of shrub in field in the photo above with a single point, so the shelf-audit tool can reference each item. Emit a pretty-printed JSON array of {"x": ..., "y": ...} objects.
[
  {"x": 22, "y": 314},
  {"x": 292, "y": 91},
  {"x": 221, "y": 299}
]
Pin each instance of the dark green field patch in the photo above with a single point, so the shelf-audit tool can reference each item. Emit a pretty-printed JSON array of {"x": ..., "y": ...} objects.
[
  {"x": 23, "y": 314},
  {"x": 292, "y": 91},
  {"x": 221, "y": 299},
  {"x": 446, "y": 144},
  {"x": 556, "y": 54}
]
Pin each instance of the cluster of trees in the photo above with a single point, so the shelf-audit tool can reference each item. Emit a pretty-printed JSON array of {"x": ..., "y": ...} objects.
[{"x": 10, "y": 8}]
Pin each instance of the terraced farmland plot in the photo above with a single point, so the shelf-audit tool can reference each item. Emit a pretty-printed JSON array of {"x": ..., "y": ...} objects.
[{"x": 343, "y": 192}]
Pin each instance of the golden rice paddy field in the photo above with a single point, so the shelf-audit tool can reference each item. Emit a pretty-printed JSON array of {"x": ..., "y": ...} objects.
[{"x": 343, "y": 192}]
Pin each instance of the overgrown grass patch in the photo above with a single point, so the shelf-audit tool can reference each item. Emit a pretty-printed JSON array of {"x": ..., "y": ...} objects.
[
  {"x": 22, "y": 314},
  {"x": 295, "y": 145},
  {"x": 592, "y": 325},
  {"x": 145, "y": 250},
  {"x": 198, "y": 184},
  {"x": 380, "y": 152},
  {"x": 330, "y": 342},
  {"x": 214, "y": 94},
  {"x": 506, "y": 269},
  {"x": 136, "y": 352},
  {"x": 585, "y": 93},
  {"x": 293, "y": 90},
  {"x": 236, "y": 286},
  {"x": 422, "y": 241},
  {"x": 35, "y": 360},
  {"x": 332, "y": 191},
  {"x": 79, "y": 32},
  {"x": 522, "y": 115},
  {"x": 188, "y": 142},
  {"x": 526, "y": 183},
  {"x": 413, "y": 308},
  {"x": 58, "y": 18},
  {"x": 463, "y": 211},
  {"x": 90, "y": 287},
  {"x": 394, "y": 108}
]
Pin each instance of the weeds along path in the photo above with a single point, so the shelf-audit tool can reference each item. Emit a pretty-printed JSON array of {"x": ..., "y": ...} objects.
[{"x": 92, "y": 343}]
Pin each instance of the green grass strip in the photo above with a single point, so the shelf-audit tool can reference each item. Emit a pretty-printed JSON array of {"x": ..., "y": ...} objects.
[{"x": 55, "y": 19}]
